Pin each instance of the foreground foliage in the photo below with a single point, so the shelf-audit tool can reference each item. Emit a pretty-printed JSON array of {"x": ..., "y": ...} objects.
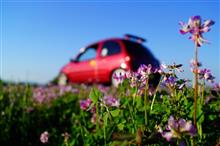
[{"x": 106, "y": 116}]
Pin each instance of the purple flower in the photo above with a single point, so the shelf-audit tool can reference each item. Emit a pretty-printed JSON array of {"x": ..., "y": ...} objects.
[
  {"x": 133, "y": 78},
  {"x": 206, "y": 75},
  {"x": 46, "y": 94},
  {"x": 44, "y": 137},
  {"x": 65, "y": 89},
  {"x": 215, "y": 92},
  {"x": 103, "y": 89},
  {"x": 84, "y": 104},
  {"x": 176, "y": 128},
  {"x": 111, "y": 101},
  {"x": 196, "y": 28},
  {"x": 145, "y": 70},
  {"x": 169, "y": 81},
  {"x": 216, "y": 87}
]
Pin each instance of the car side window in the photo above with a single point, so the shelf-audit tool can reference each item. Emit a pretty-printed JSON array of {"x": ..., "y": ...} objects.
[
  {"x": 110, "y": 48},
  {"x": 89, "y": 53}
]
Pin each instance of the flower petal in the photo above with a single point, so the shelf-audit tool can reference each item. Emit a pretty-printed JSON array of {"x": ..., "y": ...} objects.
[
  {"x": 172, "y": 123},
  {"x": 167, "y": 135},
  {"x": 208, "y": 23}
]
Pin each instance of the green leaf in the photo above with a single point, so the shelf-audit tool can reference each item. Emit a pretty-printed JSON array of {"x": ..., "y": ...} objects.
[
  {"x": 95, "y": 95},
  {"x": 105, "y": 118},
  {"x": 121, "y": 126},
  {"x": 1, "y": 97},
  {"x": 115, "y": 113},
  {"x": 200, "y": 113}
]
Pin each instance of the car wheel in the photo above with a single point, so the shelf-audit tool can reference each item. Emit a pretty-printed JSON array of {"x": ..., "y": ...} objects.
[
  {"x": 118, "y": 72},
  {"x": 62, "y": 79}
]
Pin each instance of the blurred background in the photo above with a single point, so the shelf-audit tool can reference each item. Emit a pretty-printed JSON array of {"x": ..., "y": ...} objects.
[{"x": 39, "y": 37}]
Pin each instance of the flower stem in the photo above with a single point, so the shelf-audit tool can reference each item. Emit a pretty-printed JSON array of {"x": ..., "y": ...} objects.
[
  {"x": 203, "y": 91},
  {"x": 152, "y": 104},
  {"x": 97, "y": 117},
  {"x": 145, "y": 101},
  {"x": 195, "y": 83}
]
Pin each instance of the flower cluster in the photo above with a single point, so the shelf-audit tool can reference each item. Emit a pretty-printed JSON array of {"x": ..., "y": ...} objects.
[
  {"x": 205, "y": 74},
  {"x": 170, "y": 79},
  {"x": 215, "y": 93},
  {"x": 45, "y": 94},
  {"x": 84, "y": 104},
  {"x": 196, "y": 28},
  {"x": 194, "y": 65},
  {"x": 177, "y": 128},
  {"x": 142, "y": 76},
  {"x": 111, "y": 101},
  {"x": 107, "y": 101},
  {"x": 216, "y": 87},
  {"x": 44, "y": 137},
  {"x": 145, "y": 71},
  {"x": 139, "y": 77}
]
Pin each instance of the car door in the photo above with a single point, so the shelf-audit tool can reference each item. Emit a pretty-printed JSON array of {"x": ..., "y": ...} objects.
[
  {"x": 85, "y": 65},
  {"x": 109, "y": 59}
]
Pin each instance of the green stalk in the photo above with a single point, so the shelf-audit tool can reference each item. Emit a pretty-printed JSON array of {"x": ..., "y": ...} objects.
[
  {"x": 195, "y": 83},
  {"x": 132, "y": 117},
  {"x": 135, "y": 93},
  {"x": 203, "y": 91},
  {"x": 152, "y": 104},
  {"x": 145, "y": 102},
  {"x": 104, "y": 130},
  {"x": 97, "y": 117},
  {"x": 104, "y": 135},
  {"x": 199, "y": 128}
]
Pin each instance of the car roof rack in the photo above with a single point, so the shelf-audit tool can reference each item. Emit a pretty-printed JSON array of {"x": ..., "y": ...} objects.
[{"x": 134, "y": 38}]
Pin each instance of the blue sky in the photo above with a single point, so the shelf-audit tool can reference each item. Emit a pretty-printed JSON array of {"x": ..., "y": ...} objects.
[{"x": 39, "y": 37}]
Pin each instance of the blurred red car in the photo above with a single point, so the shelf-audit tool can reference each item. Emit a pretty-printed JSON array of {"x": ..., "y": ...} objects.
[{"x": 98, "y": 62}]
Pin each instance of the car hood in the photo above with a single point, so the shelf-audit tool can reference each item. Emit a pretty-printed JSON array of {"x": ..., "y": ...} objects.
[{"x": 66, "y": 68}]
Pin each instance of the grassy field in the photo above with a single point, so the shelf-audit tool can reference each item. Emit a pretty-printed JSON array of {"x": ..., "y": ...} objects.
[{"x": 135, "y": 113}]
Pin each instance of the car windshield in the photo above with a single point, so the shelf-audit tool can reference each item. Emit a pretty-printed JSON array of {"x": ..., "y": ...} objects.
[{"x": 88, "y": 54}]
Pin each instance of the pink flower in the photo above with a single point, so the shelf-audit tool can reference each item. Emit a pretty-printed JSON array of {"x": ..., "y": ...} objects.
[
  {"x": 196, "y": 28},
  {"x": 44, "y": 137},
  {"x": 193, "y": 63},
  {"x": 84, "y": 104}
]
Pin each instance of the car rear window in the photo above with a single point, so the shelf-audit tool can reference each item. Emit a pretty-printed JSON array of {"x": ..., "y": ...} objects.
[{"x": 140, "y": 54}]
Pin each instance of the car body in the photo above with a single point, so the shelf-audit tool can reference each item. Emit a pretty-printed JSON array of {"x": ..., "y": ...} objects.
[{"x": 97, "y": 62}]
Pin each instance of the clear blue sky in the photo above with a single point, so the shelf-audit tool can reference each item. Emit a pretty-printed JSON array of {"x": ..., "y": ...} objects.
[{"x": 39, "y": 37}]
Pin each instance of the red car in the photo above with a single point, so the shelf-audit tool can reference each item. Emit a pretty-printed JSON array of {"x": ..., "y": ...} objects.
[{"x": 98, "y": 62}]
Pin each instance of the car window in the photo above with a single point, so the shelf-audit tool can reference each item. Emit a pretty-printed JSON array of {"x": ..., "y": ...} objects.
[
  {"x": 88, "y": 54},
  {"x": 110, "y": 48},
  {"x": 139, "y": 54},
  {"x": 137, "y": 50}
]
